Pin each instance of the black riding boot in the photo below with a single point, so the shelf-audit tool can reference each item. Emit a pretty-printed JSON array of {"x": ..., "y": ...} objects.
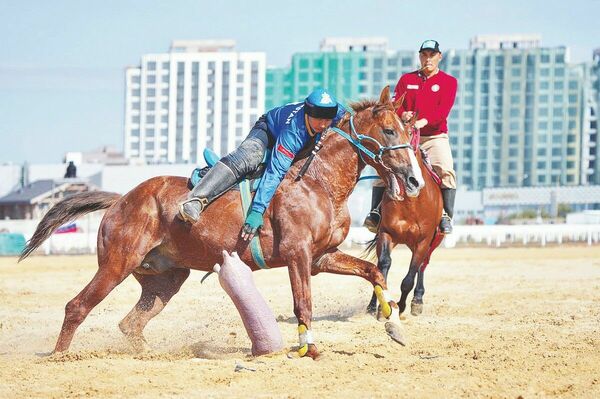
[
  {"x": 448, "y": 195},
  {"x": 374, "y": 217},
  {"x": 218, "y": 179}
]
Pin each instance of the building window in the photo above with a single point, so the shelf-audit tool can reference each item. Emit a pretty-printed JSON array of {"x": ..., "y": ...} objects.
[{"x": 151, "y": 65}]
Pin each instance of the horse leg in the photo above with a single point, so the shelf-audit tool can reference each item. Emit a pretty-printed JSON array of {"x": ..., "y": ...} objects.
[
  {"x": 120, "y": 250},
  {"x": 157, "y": 290},
  {"x": 416, "y": 305},
  {"x": 299, "y": 271},
  {"x": 385, "y": 245},
  {"x": 409, "y": 280},
  {"x": 78, "y": 308},
  {"x": 335, "y": 261}
]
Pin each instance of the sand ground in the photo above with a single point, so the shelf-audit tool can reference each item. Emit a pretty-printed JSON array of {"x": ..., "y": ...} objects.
[{"x": 497, "y": 323}]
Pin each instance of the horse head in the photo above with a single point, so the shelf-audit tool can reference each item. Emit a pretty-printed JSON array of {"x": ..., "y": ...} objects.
[{"x": 388, "y": 142}]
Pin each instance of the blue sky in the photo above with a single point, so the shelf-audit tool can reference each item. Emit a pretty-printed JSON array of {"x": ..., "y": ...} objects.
[{"x": 62, "y": 62}]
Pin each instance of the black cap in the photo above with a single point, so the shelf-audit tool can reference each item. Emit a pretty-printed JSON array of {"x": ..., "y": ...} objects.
[{"x": 430, "y": 45}]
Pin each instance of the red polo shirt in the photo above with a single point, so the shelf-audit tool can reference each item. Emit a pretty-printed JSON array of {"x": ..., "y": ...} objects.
[{"x": 431, "y": 99}]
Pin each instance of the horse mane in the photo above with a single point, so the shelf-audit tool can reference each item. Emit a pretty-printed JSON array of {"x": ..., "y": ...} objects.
[
  {"x": 363, "y": 104},
  {"x": 368, "y": 103}
]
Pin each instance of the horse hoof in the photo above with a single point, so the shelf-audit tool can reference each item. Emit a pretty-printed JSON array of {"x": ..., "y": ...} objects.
[
  {"x": 137, "y": 342},
  {"x": 395, "y": 332},
  {"x": 309, "y": 350},
  {"x": 416, "y": 308}
]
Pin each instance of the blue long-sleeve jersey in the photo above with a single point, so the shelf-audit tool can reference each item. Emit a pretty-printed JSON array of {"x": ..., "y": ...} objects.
[{"x": 287, "y": 125}]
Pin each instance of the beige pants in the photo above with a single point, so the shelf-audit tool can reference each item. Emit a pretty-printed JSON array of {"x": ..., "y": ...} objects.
[{"x": 438, "y": 149}]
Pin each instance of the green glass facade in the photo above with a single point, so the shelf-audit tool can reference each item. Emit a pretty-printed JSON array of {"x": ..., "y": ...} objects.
[
  {"x": 349, "y": 75},
  {"x": 517, "y": 119}
]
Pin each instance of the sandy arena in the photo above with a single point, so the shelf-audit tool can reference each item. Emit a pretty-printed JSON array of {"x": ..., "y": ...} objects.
[{"x": 497, "y": 323}]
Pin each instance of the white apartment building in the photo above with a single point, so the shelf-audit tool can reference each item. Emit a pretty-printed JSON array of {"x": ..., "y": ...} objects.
[{"x": 200, "y": 94}]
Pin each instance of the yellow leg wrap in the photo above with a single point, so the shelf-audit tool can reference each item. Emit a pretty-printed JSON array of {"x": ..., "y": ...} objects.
[
  {"x": 386, "y": 309},
  {"x": 304, "y": 348}
]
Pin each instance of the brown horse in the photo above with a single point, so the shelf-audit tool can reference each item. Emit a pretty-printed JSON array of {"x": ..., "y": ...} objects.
[
  {"x": 412, "y": 221},
  {"x": 306, "y": 221}
]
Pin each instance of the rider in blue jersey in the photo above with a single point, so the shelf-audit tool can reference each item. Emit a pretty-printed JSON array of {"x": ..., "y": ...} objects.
[{"x": 285, "y": 131}]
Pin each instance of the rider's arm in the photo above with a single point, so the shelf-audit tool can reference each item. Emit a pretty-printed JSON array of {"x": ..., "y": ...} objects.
[{"x": 287, "y": 145}]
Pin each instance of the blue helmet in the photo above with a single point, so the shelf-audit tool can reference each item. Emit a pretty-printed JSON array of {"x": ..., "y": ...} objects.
[{"x": 321, "y": 104}]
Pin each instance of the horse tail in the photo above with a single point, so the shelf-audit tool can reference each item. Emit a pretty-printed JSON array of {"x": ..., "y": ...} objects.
[
  {"x": 66, "y": 210},
  {"x": 369, "y": 252}
]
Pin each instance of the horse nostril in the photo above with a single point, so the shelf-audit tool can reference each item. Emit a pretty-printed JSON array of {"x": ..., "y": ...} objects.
[{"x": 413, "y": 182}]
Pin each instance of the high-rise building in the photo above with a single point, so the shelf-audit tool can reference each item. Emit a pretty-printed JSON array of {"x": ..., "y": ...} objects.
[
  {"x": 517, "y": 115},
  {"x": 200, "y": 94},
  {"x": 352, "y": 69},
  {"x": 590, "y": 120},
  {"x": 518, "y": 119}
]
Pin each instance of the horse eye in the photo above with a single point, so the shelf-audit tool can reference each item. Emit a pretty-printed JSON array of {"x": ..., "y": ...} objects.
[{"x": 389, "y": 132}]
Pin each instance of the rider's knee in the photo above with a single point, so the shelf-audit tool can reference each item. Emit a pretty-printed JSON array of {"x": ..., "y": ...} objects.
[{"x": 246, "y": 158}]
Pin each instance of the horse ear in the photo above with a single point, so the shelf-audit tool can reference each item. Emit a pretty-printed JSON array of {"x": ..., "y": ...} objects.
[
  {"x": 384, "y": 98},
  {"x": 398, "y": 102}
]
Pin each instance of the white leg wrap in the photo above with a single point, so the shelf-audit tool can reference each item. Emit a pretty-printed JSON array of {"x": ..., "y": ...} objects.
[
  {"x": 387, "y": 296},
  {"x": 306, "y": 338}
]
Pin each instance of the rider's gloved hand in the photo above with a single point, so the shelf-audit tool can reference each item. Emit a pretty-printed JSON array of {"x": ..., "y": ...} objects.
[{"x": 253, "y": 222}]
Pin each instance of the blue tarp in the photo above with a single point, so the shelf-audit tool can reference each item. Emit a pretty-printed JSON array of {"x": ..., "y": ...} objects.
[{"x": 11, "y": 244}]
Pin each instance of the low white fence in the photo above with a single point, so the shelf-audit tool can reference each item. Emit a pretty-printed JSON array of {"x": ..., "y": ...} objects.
[
  {"x": 504, "y": 235},
  {"x": 539, "y": 234},
  {"x": 84, "y": 241}
]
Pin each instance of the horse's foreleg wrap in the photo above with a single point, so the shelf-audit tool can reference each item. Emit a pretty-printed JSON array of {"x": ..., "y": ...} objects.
[
  {"x": 384, "y": 298},
  {"x": 305, "y": 338}
]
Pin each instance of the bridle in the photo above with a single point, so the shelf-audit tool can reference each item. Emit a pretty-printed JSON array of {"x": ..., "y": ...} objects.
[{"x": 358, "y": 140}]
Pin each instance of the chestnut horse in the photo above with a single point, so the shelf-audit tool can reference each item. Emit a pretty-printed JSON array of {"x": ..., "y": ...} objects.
[
  {"x": 306, "y": 221},
  {"x": 412, "y": 221}
]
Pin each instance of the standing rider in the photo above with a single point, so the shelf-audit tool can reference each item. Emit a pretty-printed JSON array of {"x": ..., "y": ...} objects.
[
  {"x": 284, "y": 130},
  {"x": 430, "y": 94}
]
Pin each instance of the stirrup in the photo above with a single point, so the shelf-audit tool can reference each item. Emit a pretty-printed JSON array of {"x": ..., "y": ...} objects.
[
  {"x": 192, "y": 218},
  {"x": 446, "y": 224},
  {"x": 372, "y": 220}
]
